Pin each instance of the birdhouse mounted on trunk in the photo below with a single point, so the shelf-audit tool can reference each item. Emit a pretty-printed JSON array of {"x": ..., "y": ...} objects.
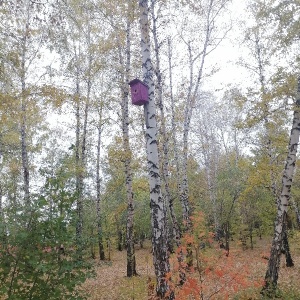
[{"x": 139, "y": 92}]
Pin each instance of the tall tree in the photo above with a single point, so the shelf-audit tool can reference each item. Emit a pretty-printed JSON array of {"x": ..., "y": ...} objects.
[
  {"x": 131, "y": 262},
  {"x": 267, "y": 109},
  {"x": 23, "y": 33},
  {"x": 209, "y": 151},
  {"x": 98, "y": 185},
  {"x": 165, "y": 156},
  {"x": 173, "y": 117},
  {"x": 283, "y": 201},
  {"x": 157, "y": 204},
  {"x": 76, "y": 41},
  {"x": 198, "y": 48}
]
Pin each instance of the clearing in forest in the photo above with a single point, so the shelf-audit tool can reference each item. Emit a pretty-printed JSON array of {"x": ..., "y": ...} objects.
[{"x": 238, "y": 276}]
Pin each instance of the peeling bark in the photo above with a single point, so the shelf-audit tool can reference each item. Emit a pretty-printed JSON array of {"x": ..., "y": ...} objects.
[{"x": 158, "y": 213}]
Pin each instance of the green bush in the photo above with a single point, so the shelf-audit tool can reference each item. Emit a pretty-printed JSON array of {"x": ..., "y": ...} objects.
[{"x": 32, "y": 265}]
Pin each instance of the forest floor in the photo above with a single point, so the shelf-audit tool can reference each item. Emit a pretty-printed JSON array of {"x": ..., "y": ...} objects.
[{"x": 248, "y": 266}]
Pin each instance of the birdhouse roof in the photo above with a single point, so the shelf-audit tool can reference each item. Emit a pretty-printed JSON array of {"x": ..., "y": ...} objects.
[{"x": 135, "y": 81}]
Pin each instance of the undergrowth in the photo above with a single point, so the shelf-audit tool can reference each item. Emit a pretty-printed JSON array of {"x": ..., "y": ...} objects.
[{"x": 215, "y": 274}]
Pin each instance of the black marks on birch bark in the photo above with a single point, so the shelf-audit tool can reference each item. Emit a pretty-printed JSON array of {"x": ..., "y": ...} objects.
[
  {"x": 153, "y": 142},
  {"x": 155, "y": 189}
]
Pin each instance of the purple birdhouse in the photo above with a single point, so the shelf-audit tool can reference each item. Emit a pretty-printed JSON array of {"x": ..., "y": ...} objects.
[{"x": 139, "y": 92}]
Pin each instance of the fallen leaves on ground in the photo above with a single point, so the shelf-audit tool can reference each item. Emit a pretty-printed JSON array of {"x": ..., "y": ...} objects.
[{"x": 111, "y": 282}]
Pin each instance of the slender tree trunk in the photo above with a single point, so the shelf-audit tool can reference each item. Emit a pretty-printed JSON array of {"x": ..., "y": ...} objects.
[
  {"x": 296, "y": 212},
  {"x": 283, "y": 202},
  {"x": 266, "y": 113},
  {"x": 176, "y": 227},
  {"x": 210, "y": 161},
  {"x": 285, "y": 246},
  {"x": 251, "y": 236},
  {"x": 93, "y": 253},
  {"x": 87, "y": 103},
  {"x": 269, "y": 145},
  {"x": 227, "y": 236},
  {"x": 1, "y": 209},
  {"x": 165, "y": 139},
  {"x": 212, "y": 196},
  {"x": 2, "y": 224},
  {"x": 82, "y": 163},
  {"x": 188, "y": 112},
  {"x": 25, "y": 162},
  {"x": 98, "y": 188},
  {"x": 79, "y": 204},
  {"x": 158, "y": 213},
  {"x": 81, "y": 156},
  {"x": 131, "y": 262},
  {"x": 81, "y": 147},
  {"x": 109, "y": 248},
  {"x": 174, "y": 139},
  {"x": 119, "y": 227}
]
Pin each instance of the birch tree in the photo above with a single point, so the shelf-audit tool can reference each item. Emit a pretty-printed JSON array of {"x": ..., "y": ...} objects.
[
  {"x": 120, "y": 19},
  {"x": 271, "y": 276},
  {"x": 210, "y": 152},
  {"x": 157, "y": 205},
  {"x": 259, "y": 43},
  {"x": 173, "y": 122},
  {"x": 98, "y": 185},
  {"x": 165, "y": 156},
  {"x": 81, "y": 60},
  {"x": 198, "y": 47},
  {"x": 23, "y": 34},
  {"x": 131, "y": 262},
  {"x": 283, "y": 17},
  {"x": 267, "y": 110}
]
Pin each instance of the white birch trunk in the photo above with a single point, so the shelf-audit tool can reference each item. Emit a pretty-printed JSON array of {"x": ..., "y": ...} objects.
[
  {"x": 98, "y": 189},
  {"x": 158, "y": 213},
  {"x": 23, "y": 131},
  {"x": 165, "y": 140},
  {"x": 283, "y": 201},
  {"x": 131, "y": 262},
  {"x": 79, "y": 201}
]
